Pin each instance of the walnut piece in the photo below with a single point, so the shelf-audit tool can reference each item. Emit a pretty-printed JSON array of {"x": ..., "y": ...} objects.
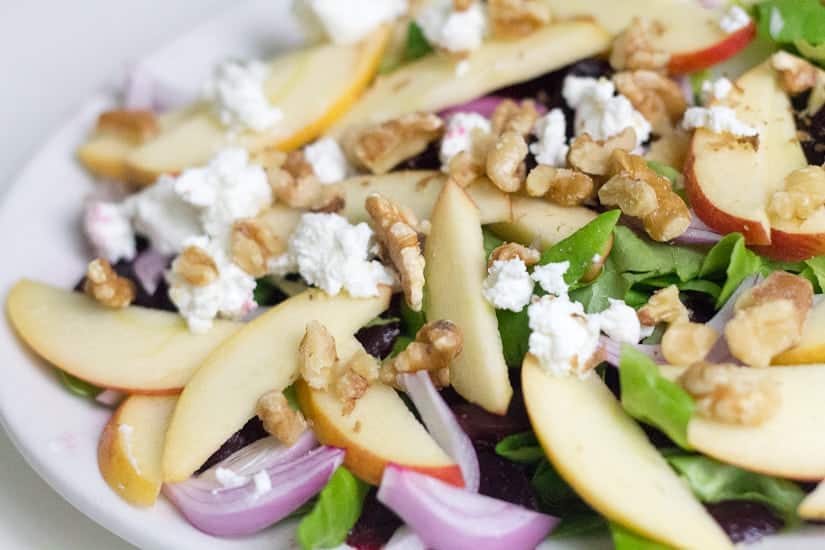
[
  {"x": 633, "y": 48},
  {"x": 381, "y": 147},
  {"x": 510, "y": 116},
  {"x": 593, "y": 157},
  {"x": 106, "y": 286},
  {"x": 464, "y": 168},
  {"x": 396, "y": 228},
  {"x": 803, "y": 195},
  {"x": 796, "y": 75},
  {"x": 657, "y": 97},
  {"x": 687, "y": 343},
  {"x": 505, "y": 162},
  {"x": 462, "y": 5},
  {"x": 252, "y": 244},
  {"x": 136, "y": 126},
  {"x": 317, "y": 356},
  {"x": 723, "y": 396},
  {"x": 562, "y": 186},
  {"x": 294, "y": 181},
  {"x": 781, "y": 285},
  {"x": 510, "y": 251},
  {"x": 634, "y": 197},
  {"x": 436, "y": 345},
  {"x": 664, "y": 307},
  {"x": 517, "y": 18},
  {"x": 279, "y": 419},
  {"x": 195, "y": 266}
]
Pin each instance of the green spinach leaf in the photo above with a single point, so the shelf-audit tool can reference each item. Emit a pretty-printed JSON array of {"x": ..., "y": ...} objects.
[{"x": 338, "y": 508}]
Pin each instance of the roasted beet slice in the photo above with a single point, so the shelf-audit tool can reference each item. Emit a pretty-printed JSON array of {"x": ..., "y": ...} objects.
[
  {"x": 486, "y": 429},
  {"x": 744, "y": 521},
  {"x": 375, "y": 526},
  {"x": 378, "y": 340},
  {"x": 505, "y": 480},
  {"x": 811, "y": 129},
  {"x": 250, "y": 433}
]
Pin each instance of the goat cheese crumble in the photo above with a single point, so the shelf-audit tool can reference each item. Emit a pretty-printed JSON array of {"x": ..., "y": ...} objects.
[
  {"x": 327, "y": 160},
  {"x": 458, "y": 136},
  {"x": 717, "y": 119},
  {"x": 508, "y": 285},
  {"x": 453, "y": 30},
  {"x": 563, "y": 338},
  {"x": 716, "y": 89},
  {"x": 550, "y": 277},
  {"x": 229, "y": 479},
  {"x": 263, "y": 484},
  {"x": 551, "y": 131},
  {"x": 330, "y": 253},
  {"x": 620, "y": 322},
  {"x": 734, "y": 19},
  {"x": 238, "y": 91},
  {"x": 350, "y": 21},
  {"x": 109, "y": 230}
]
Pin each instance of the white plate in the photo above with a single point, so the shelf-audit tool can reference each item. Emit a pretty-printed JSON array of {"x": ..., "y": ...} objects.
[{"x": 56, "y": 432}]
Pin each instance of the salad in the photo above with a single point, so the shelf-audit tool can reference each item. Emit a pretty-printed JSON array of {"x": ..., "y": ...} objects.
[{"x": 466, "y": 274}]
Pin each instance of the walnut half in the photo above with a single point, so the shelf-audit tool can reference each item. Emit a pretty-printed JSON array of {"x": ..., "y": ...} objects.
[
  {"x": 659, "y": 99},
  {"x": 381, "y": 147},
  {"x": 664, "y": 307},
  {"x": 517, "y": 18},
  {"x": 561, "y": 186},
  {"x": 633, "y": 49},
  {"x": 106, "y": 286},
  {"x": 505, "y": 162},
  {"x": 252, "y": 244},
  {"x": 436, "y": 345},
  {"x": 279, "y": 419}
]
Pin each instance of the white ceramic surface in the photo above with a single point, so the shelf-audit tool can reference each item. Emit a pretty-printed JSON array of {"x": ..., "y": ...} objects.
[{"x": 56, "y": 432}]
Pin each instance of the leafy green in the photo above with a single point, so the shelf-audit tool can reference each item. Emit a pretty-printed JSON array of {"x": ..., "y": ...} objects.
[
  {"x": 793, "y": 22},
  {"x": 650, "y": 397},
  {"x": 626, "y": 540},
  {"x": 514, "y": 328},
  {"x": 697, "y": 79},
  {"x": 645, "y": 258},
  {"x": 338, "y": 508},
  {"x": 817, "y": 269},
  {"x": 713, "y": 481},
  {"x": 400, "y": 345},
  {"x": 411, "y": 321},
  {"x": 610, "y": 284},
  {"x": 814, "y": 53},
  {"x": 580, "y": 524},
  {"x": 77, "y": 386},
  {"x": 266, "y": 293},
  {"x": 491, "y": 242},
  {"x": 522, "y": 448},
  {"x": 417, "y": 45},
  {"x": 555, "y": 496},
  {"x": 580, "y": 247},
  {"x": 731, "y": 260},
  {"x": 664, "y": 170}
]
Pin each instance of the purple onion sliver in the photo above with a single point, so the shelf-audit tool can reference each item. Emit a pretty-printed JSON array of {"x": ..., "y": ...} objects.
[
  {"x": 149, "y": 266},
  {"x": 613, "y": 351},
  {"x": 110, "y": 398}
]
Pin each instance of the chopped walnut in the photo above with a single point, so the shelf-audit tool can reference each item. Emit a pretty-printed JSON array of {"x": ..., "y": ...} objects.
[
  {"x": 106, "y": 286},
  {"x": 722, "y": 394},
  {"x": 436, "y": 345},
  {"x": 781, "y": 285},
  {"x": 796, "y": 74},
  {"x": 664, "y": 307},
  {"x": 560, "y": 185},
  {"x": 505, "y": 162},
  {"x": 633, "y": 48},
  {"x": 196, "y": 266},
  {"x": 803, "y": 195},
  {"x": 137, "y": 126},
  {"x": 462, "y": 5},
  {"x": 317, "y": 356},
  {"x": 757, "y": 333},
  {"x": 510, "y": 116},
  {"x": 279, "y": 419},
  {"x": 396, "y": 228},
  {"x": 294, "y": 181},
  {"x": 252, "y": 244},
  {"x": 593, "y": 157},
  {"x": 510, "y": 251},
  {"x": 659, "y": 99},
  {"x": 330, "y": 201},
  {"x": 464, "y": 168},
  {"x": 634, "y": 197},
  {"x": 517, "y": 18},
  {"x": 687, "y": 343},
  {"x": 383, "y": 146}
]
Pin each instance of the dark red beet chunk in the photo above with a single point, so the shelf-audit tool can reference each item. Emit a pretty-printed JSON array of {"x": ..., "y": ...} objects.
[
  {"x": 743, "y": 521},
  {"x": 375, "y": 526},
  {"x": 812, "y": 128},
  {"x": 505, "y": 480},
  {"x": 486, "y": 429},
  {"x": 250, "y": 433},
  {"x": 378, "y": 340}
]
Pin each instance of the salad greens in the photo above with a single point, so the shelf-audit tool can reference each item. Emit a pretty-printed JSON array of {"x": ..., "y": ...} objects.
[
  {"x": 77, "y": 386},
  {"x": 580, "y": 247},
  {"x": 626, "y": 540},
  {"x": 417, "y": 45},
  {"x": 731, "y": 257},
  {"x": 523, "y": 448},
  {"x": 338, "y": 508},
  {"x": 651, "y": 398},
  {"x": 798, "y": 24}
]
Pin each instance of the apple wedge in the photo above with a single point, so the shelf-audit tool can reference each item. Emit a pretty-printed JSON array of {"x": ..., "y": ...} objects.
[
  {"x": 690, "y": 33},
  {"x": 431, "y": 84},
  {"x": 606, "y": 457},
  {"x": 131, "y": 446},
  {"x": 263, "y": 356},
  {"x": 542, "y": 222},
  {"x": 813, "y": 507},
  {"x": 811, "y": 348},
  {"x": 313, "y": 87},
  {"x": 133, "y": 350},
  {"x": 788, "y": 444},
  {"x": 380, "y": 430},
  {"x": 455, "y": 271}
]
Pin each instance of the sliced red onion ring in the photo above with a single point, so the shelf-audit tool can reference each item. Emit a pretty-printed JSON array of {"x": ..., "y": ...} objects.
[
  {"x": 449, "y": 518},
  {"x": 613, "y": 351},
  {"x": 242, "y": 511},
  {"x": 443, "y": 426},
  {"x": 484, "y": 106},
  {"x": 698, "y": 233},
  {"x": 110, "y": 398},
  {"x": 149, "y": 266},
  {"x": 405, "y": 539}
]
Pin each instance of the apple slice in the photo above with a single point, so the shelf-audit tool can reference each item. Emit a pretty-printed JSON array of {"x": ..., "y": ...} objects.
[
  {"x": 811, "y": 348},
  {"x": 539, "y": 221},
  {"x": 691, "y": 33},
  {"x": 132, "y": 350},
  {"x": 431, "y": 83},
  {"x": 789, "y": 444},
  {"x": 606, "y": 457},
  {"x": 455, "y": 271},
  {"x": 263, "y": 356},
  {"x": 131, "y": 446},
  {"x": 380, "y": 430},
  {"x": 813, "y": 507}
]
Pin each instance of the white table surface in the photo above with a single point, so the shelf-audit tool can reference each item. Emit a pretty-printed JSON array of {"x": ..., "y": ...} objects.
[{"x": 53, "y": 54}]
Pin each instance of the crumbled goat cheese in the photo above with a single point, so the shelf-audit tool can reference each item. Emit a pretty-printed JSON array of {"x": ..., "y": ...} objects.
[
  {"x": 229, "y": 296},
  {"x": 126, "y": 431},
  {"x": 551, "y": 131},
  {"x": 716, "y": 89},
  {"x": 159, "y": 214},
  {"x": 330, "y": 253},
  {"x": 599, "y": 112},
  {"x": 563, "y": 338},
  {"x": 458, "y": 136},
  {"x": 508, "y": 285},
  {"x": 238, "y": 92},
  {"x": 327, "y": 160},
  {"x": 551, "y": 277},
  {"x": 229, "y": 479},
  {"x": 717, "y": 119},
  {"x": 263, "y": 484},
  {"x": 109, "y": 230},
  {"x": 734, "y": 19},
  {"x": 620, "y": 322},
  {"x": 225, "y": 190},
  {"x": 776, "y": 23},
  {"x": 451, "y": 30},
  {"x": 350, "y": 21}
]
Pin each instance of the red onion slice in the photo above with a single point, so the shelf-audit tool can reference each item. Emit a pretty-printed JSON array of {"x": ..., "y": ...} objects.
[
  {"x": 613, "y": 351},
  {"x": 149, "y": 266},
  {"x": 443, "y": 426},
  {"x": 698, "y": 233},
  {"x": 449, "y": 518},
  {"x": 484, "y": 106},
  {"x": 110, "y": 398},
  {"x": 241, "y": 511}
]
